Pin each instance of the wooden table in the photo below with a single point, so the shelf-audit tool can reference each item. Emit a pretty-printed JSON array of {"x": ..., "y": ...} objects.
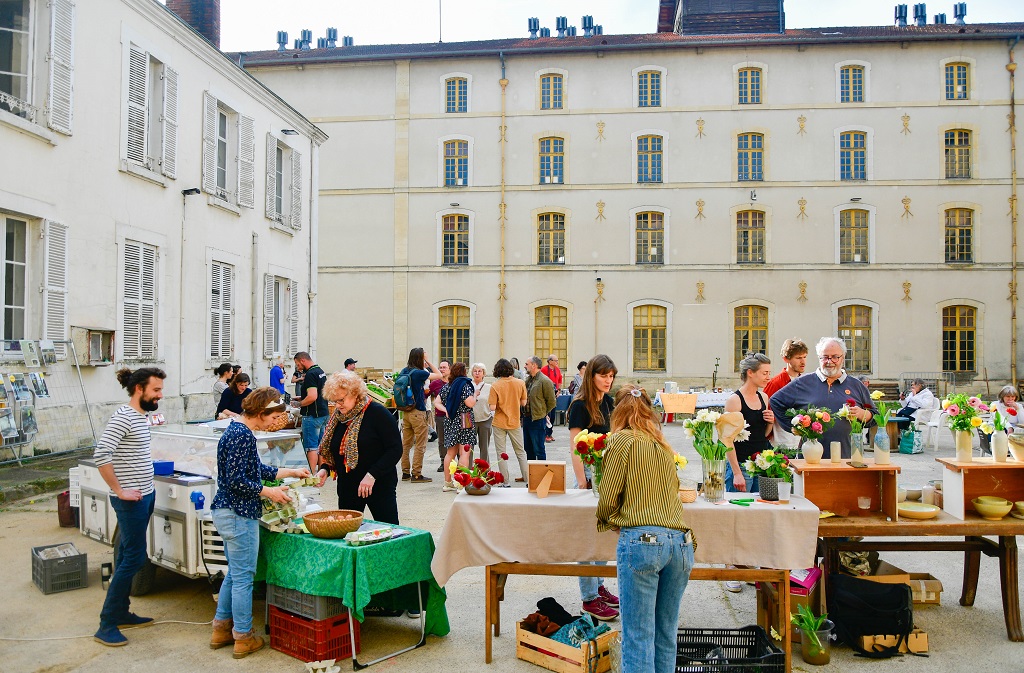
[
  {"x": 894, "y": 432},
  {"x": 974, "y": 530}
]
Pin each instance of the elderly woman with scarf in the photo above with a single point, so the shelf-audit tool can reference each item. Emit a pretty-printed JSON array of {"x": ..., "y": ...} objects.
[
  {"x": 456, "y": 401},
  {"x": 362, "y": 445}
]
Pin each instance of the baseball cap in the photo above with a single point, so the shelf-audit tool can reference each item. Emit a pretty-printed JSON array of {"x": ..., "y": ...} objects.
[{"x": 350, "y": 361}]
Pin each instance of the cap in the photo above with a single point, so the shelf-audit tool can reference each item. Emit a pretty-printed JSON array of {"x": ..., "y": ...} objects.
[{"x": 350, "y": 361}]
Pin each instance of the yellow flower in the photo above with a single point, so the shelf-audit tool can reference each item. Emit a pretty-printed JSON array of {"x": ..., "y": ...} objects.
[
  {"x": 680, "y": 461},
  {"x": 818, "y": 414},
  {"x": 945, "y": 403},
  {"x": 453, "y": 467},
  {"x": 976, "y": 422},
  {"x": 877, "y": 395}
]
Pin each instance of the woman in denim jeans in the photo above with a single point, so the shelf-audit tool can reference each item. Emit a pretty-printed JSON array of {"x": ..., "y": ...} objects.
[
  {"x": 640, "y": 499},
  {"x": 236, "y": 511}
]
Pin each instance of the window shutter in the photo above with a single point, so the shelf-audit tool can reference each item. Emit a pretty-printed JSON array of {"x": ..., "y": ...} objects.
[
  {"x": 221, "y": 310},
  {"x": 131, "y": 300},
  {"x": 268, "y": 315},
  {"x": 147, "y": 310},
  {"x": 271, "y": 177},
  {"x": 246, "y": 161},
  {"x": 296, "y": 210},
  {"x": 55, "y": 285},
  {"x": 138, "y": 105},
  {"x": 169, "y": 160},
  {"x": 293, "y": 318},
  {"x": 62, "y": 66},
  {"x": 215, "y": 309},
  {"x": 209, "y": 143}
]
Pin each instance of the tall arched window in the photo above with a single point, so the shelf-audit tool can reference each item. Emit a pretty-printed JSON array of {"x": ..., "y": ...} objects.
[
  {"x": 650, "y": 238},
  {"x": 552, "y": 160},
  {"x": 748, "y": 81},
  {"x": 959, "y": 236},
  {"x": 959, "y": 331},
  {"x": 455, "y": 240},
  {"x": 851, "y": 84},
  {"x": 551, "y": 331},
  {"x": 958, "y": 82},
  {"x": 550, "y": 91},
  {"x": 958, "y": 154},
  {"x": 453, "y": 333},
  {"x": 854, "y": 237},
  {"x": 456, "y": 163},
  {"x": 750, "y": 156},
  {"x": 750, "y": 237},
  {"x": 650, "y": 338},
  {"x": 551, "y": 238},
  {"x": 750, "y": 332},
  {"x": 456, "y": 94},
  {"x": 649, "y": 158},
  {"x": 854, "y": 328},
  {"x": 648, "y": 90},
  {"x": 853, "y": 155}
]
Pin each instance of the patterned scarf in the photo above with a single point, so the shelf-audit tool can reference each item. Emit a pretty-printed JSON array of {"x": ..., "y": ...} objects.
[{"x": 349, "y": 441}]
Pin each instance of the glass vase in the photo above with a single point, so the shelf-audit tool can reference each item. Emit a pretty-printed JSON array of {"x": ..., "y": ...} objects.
[
  {"x": 595, "y": 481},
  {"x": 714, "y": 479},
  {"x": 816, "y": 646}
]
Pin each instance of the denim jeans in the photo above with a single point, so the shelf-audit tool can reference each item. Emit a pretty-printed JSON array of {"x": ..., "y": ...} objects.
[
  {"x": 751, "y": 481},
  {"x": 652, "y": 578},
  {"x": 132, "y": 525},
  {"x": 312, "y": 431},
  {"x": 533, "y": 434},
  {"x": 241, "y": 547},
  {"x": 588, "y": 585}
]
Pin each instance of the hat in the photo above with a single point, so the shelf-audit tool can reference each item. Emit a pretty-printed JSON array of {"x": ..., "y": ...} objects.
[{"x": 350, "y": 361}]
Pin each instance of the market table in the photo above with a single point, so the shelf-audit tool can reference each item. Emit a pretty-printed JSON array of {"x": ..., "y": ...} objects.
[
  {"x": 354, "y": 574},
  {"x": 512, "y": 531}
]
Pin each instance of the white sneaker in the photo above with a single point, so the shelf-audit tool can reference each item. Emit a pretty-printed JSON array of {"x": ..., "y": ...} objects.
[
  {"x": 449, "y": 488},
  {"x": 734, "y": 586}
]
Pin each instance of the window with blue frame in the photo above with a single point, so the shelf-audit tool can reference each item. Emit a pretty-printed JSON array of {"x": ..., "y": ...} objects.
[
  {"x": 853, "y": 156},
  {"x": 456, "y": 163},
  {"x": 750, "y": 156},
  {"x": 649, "y": 158},
  {"x": 552, "y": 160}
]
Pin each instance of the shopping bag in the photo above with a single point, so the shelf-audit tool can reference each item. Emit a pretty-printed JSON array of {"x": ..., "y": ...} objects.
[{"x": 910, "y": 442}]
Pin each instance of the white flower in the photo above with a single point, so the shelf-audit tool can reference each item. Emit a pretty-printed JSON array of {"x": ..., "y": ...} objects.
[
  {"x": 796, "y": 421},
  {"x": 688, "y": 431},
  {"x": 761, "y": 462},
  {"x": 713, "y": 416},
  {"x": 701, "y": 416},
  {"x": 743, "y": 436}
]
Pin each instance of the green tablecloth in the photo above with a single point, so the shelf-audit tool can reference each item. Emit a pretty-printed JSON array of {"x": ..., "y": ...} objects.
[{"x": 354, "y": 574}]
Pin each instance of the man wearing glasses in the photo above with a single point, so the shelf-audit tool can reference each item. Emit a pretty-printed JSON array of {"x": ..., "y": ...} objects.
[{"x": 828, "y": 388}]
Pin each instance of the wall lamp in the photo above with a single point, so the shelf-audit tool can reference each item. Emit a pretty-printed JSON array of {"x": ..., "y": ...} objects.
[
  {"x": 855, "y": 199},
  {"x": 190, "y": 192},
  {"x": 290, "y": 132},
  {"x": 454, "y": 205}
]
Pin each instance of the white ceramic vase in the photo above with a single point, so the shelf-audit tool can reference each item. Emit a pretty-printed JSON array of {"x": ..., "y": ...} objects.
[
  {"x": 1000, "y": 446},
  {"x": 813, "y": 451},
  {"x": 964, "y": 446}
]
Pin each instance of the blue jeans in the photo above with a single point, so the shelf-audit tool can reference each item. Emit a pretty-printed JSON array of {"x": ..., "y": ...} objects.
[
  {"x": 589, "y": 585},
  {"x": 652, "y": 578},
  {"x": 751, "y": 481},
  {"x": 533, "y": 435},
  {"x": 312, "y": 431},
  {"x": 132, "y": 525},
  {"x": 241, "y": 547}
]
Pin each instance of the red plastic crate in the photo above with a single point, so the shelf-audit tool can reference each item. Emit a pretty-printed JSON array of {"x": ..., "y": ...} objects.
[{"x": 311, "y": 640}]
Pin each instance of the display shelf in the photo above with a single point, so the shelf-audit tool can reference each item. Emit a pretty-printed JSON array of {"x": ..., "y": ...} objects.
[
  {"x": 836, "y": 486},
  {"x": 962, "y": 482}
]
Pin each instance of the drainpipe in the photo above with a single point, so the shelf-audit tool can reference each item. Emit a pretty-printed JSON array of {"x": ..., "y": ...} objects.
[
  {"x": 314, "y": 235},
  {"x": 255, "y": 293},
  {"x": 501, "y": 215},
  {"x": 1011, "y": 67}
]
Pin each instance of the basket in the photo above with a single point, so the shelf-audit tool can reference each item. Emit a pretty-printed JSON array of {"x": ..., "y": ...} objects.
[
  {"x": 59, "y": 567},
  {"x": 746, "y": 649},
  {"x": 687, "y": 495},
  {"x": 311, "y": 640},
  {"x": 280, "y": 424},
  {"x": 332, "y": 530},
  {"x": 304, "y": 605}
]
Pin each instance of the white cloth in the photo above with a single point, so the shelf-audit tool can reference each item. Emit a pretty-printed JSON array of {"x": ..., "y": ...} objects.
[
  {"x": 1008, "y": 419},
  {"x": 918, "y": 401}
]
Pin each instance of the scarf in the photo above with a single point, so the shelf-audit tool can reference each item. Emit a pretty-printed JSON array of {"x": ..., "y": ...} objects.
[
  {"x": 454, "y": 399},
  {"x": 349, "y": 441}
]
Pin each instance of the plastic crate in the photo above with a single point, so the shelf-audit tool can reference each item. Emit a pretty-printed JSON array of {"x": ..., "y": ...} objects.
[
  {"x": 743, "y": 650},
  {"x": 304, "y": 605},
  {"x": 75, "y": 486},
  {"x": 309, "y": 639},
  {"x": 62, "y": 572}
]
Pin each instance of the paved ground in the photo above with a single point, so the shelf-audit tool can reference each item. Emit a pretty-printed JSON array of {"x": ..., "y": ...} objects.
[{"x": 961, "y": 638}]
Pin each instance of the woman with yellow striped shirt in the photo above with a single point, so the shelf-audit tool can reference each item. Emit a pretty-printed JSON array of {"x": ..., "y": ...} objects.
[{"x": 640, "y": 499}]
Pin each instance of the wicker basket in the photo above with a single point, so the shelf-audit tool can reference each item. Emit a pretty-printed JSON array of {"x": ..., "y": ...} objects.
[
  {"x": 687, "y": 495},
  {"x": 316, "y": 524}
]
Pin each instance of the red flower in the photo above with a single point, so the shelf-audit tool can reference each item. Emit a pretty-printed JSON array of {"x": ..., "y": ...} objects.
[
  {"x": 1011, "y": 411},
  {"x": 462, "y": 478},
  {"x": 478, "y": 482},
  {"x": 481, "y": 463},
  {"x": 498, "y": 479},
  {"x": 850, "y": 402},
  {"x": 581, "y": 445},
  {"x": 599, "y": 443},
  {"x": 504, "y": 456},
  {"x": 583, "y": 450}
]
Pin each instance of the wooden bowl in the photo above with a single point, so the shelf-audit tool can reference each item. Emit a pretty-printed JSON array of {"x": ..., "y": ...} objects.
[{"x": 320, "y": 525}]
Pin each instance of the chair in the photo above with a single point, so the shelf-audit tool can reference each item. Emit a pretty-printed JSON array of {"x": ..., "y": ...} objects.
[
  {"x": 561, "y": 408},
  {"x": 936, "y": 419}
]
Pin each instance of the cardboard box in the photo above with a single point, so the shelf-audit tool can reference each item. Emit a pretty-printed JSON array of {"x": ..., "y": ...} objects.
[
  {"x": 926, "y": 589},
  {"x": 916, "y": 642},
  {"x": 887, "y": 573},
  {"x": 767, "y": 600}
]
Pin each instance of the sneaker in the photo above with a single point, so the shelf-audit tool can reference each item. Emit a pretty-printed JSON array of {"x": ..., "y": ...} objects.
[
  {"x": 609, "y": 598},
  {"x": 440, "y": 468},
  {"x": 433, "y": 436},
  {"x": 449, "y": 488},
  {"x": 419, "y": 479},
  {"x": 734, "y": 586},
  {"x": 549, "y": 438},
  {"x": 406, "y": 476},
  {"x": 110, "y": 636},
  {"x": 412, "y": 614},
  {"x": 133, "y": 620},
  {"x": 598, "y": 609}
]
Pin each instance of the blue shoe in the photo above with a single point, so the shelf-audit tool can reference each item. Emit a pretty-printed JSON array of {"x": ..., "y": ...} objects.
[
  {"x": 110, "y": 636},
  {"x": 133, "y": 619}
]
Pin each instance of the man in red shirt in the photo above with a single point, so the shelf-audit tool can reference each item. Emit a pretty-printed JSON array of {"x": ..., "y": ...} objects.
[{"x": 552, "y": 371}]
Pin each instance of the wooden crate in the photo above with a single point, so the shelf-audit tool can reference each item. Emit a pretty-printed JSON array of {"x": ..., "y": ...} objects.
[
  {"x": 555, "y": 656},
  {"x": 963, "y": 482},
  {"x": 836, "y": 486}
]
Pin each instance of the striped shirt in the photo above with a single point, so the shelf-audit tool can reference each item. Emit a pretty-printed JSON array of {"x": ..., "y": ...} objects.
[
  {"x": 639, "y": 486},
  {"x": 125, "y": 443}
]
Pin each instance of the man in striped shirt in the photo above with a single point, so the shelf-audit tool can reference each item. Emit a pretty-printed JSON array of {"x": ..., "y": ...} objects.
[{"x": 125, "y": 463}]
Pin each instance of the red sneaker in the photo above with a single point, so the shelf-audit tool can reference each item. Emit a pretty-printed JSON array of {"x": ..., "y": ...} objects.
[
  {"x": 609, "y": 598},
  {"x": 598, "y": 609}
]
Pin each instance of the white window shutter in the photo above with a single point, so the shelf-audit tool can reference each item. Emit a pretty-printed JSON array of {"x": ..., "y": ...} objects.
[
  {"x": 227, "y": 344},
  {"x": 61, "y": 57},
  {"x": 138, "y": 106},
  {"x": 209, "y": 143},
  {"x": 296, "y": 210},
  {"x": 55, "y": 285},
  {"x": 215, "y": 309},
  {"x": 293, "y": 317},
  {"x": 271, "y": 177},
  {"x": 148, "y": 309},
  {"x": 131, "y": 300},
  {"x": 169, "y": 160},
  {"x": 246, "y": 162},
  {"x": 221, "y": 309},
  {"x": 268, "y": 315}
]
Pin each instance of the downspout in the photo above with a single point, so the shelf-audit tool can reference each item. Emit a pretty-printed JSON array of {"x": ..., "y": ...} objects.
[
  {"x": 181, "y": 302},
  {"x": 314, "y": 233},
  {"x": 254, "y": 293},
  {"x": 501, "y": 215},
  {"x": 1011, "y": 67}
]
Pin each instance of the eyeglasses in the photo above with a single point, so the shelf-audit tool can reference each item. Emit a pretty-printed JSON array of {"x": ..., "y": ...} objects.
[{"x": 830, "y": 358}]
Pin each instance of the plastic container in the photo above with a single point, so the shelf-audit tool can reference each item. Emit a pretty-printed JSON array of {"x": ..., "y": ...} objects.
[
  {"x": 311, "y": 640},
  {"x": 59, "y": 567},
  {"x": 746, "y": 649},
  {"x": 304, "y": 605},
  {"x": 163, "y": 468}
]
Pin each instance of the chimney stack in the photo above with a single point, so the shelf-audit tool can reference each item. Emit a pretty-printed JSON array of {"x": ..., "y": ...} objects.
[{"x": 202, "y": 15}]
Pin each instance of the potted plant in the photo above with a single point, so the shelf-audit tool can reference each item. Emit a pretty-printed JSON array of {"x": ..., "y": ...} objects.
[
  {"x": 815, "y": 647},
  {"x": 770, "y": 467},
  {"x": 712, "y": 451},
  {"x": 963, "y": 414},
  {"x": 810, "y": 424},
  {"x": 476, "y": 479},
  {"x": 589, "y": 446}
]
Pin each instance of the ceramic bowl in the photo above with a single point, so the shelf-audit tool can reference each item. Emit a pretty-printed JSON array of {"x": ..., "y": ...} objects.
[
  {"x": 917, "y": 510},
  {"x": 992, "y": 511},
  {"x": 1019, "y": 506},
  {"x": 901, "y": 494},
  {"x": 936, "y": 484},
  {"x": 992, "y": 500},
  {"x": 913, "y": 492}
]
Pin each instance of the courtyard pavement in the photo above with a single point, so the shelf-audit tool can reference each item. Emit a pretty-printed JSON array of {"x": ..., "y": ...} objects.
[{"x": 960, "y": 638}]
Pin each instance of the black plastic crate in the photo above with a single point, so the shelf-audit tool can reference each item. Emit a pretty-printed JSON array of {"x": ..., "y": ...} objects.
[
  {"x": 743, "y": 650},
  {"x": 59, "y": 572},
  {"x": 304, "y": 605}
]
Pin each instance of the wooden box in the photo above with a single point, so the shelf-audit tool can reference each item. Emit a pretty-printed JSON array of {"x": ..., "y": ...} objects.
[
  {"x": 836, "y": 486},
  {"x": 555, "y": 656},
  {"x": 916, "y": 642},
  {"x": 963, "y": 482},
  {"x": 538, "y": 469}
]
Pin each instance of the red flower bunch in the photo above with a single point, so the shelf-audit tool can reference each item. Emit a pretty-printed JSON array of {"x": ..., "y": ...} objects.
[
  {"x": 478, "y": 474},
  {"x": 590, "y": 447},
  {"x": 850, "y": 402},
  {"x": 1011, "y": 411}
]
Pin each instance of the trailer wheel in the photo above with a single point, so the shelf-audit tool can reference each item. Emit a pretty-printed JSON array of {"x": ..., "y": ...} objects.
[{"x": 142, "y": 583}]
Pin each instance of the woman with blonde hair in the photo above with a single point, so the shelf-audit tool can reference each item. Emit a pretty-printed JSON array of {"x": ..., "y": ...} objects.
[
  {"x": 640, "y": 499},
  {"x": 361, "y": 445}
]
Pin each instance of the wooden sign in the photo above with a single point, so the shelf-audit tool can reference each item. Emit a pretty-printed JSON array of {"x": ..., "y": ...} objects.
[
  {"x": 679, "y": 403},
  {"x": 545, "y": 477}
]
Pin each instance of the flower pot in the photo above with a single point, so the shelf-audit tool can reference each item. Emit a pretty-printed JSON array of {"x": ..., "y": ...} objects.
[
  {"x": 813, "y": 451},
  {"x": 1000, "y": 446},
  {"x": 473, "y": 490},
  {"x": 964, "y": 446},
  {"x": 714, "y": 479},
  {"x": 815, "y": 646},
  {"x": 769, "y": 487}
]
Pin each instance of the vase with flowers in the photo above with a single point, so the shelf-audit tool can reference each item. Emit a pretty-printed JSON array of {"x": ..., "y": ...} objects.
[
  {"x": 770, "y": 467},
  {"x": 997, "y": 431},
  {"x": 713, "y": 451},
  {"x": 810, "y": 424},
  {"x": 856, "y": 426},
  {"x": 476, "y": 479},
  {"x": 964, "y": 416},
  {"x": 589, "y": 446}
]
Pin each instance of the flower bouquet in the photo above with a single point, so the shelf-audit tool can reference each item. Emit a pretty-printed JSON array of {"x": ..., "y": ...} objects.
[
  {"x": 964, "y": 414},
  {"x": 810, "y": 424},
  {"x": 478, "y": 478},
  {"x": 589, "y": 446},
  {"x": 770, "y": 467},
  {"x": 731, "y": 428}
]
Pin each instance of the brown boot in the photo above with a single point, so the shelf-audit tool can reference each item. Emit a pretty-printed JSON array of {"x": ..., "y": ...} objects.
[
  {"x": 247, "y": 643},
  {"x": 221, "y": 634}
]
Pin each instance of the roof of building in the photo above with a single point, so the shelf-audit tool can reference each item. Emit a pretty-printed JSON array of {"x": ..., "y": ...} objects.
[{"x": 568, "y": 45}]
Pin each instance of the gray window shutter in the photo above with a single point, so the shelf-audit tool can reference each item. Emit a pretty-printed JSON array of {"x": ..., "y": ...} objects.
[
  {"x": 271, "y": 177},
  {"x": 169, "y": 160},
  {"x": 296, "y": 209},
  {"x": 268, "y": 315},
  {"x": 61, "y": 58},
  {"x": 246, "y": 162},
  {"x": 293, "y": 317},
  {"x": 138, "y": 106},
  {"x": 55, "y": 285},
  {"x": 209, "y": 143}
]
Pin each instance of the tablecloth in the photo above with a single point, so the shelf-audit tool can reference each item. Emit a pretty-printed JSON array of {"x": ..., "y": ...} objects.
[{"x": 327, "y": 567}]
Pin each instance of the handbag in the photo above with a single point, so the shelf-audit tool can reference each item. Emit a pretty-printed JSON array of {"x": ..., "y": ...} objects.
[
  {"x": 466, "y": 418},
  {"x": 860, "y": 608}
]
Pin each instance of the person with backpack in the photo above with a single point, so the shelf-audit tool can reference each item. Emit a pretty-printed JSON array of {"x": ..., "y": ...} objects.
[{"x": 408, "y": 392}]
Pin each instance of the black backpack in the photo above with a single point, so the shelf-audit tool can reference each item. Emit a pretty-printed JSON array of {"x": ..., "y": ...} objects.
[
  {"x": 405, "y": 400},
  {"x": 861, "y": 607}
]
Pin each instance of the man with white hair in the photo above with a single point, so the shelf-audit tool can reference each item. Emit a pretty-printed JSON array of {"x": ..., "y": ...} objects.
[{"x": 828, "y": 388}]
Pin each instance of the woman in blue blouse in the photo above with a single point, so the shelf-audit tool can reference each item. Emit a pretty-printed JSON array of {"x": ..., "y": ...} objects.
[{"x": 236, "y": 511}]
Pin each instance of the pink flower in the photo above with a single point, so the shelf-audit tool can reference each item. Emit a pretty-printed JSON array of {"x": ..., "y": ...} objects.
[
  {"x": 816, "y": 426},
  {"x": 825, "y": 417},
  {"x": 953, "y": 410},
  {"x": 973, "y": 401},
  {"x": 805, "y": 421}
]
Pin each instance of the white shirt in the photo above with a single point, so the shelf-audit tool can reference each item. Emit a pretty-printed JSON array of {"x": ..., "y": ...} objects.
[
  {"x": 917, "y": 401},
  {"x": 482, "y": 412},
  {"x": 1009, "y": 420}
]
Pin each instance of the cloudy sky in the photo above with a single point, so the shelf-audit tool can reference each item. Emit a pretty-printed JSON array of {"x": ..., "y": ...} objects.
[{"x": 250, "y": 25}]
